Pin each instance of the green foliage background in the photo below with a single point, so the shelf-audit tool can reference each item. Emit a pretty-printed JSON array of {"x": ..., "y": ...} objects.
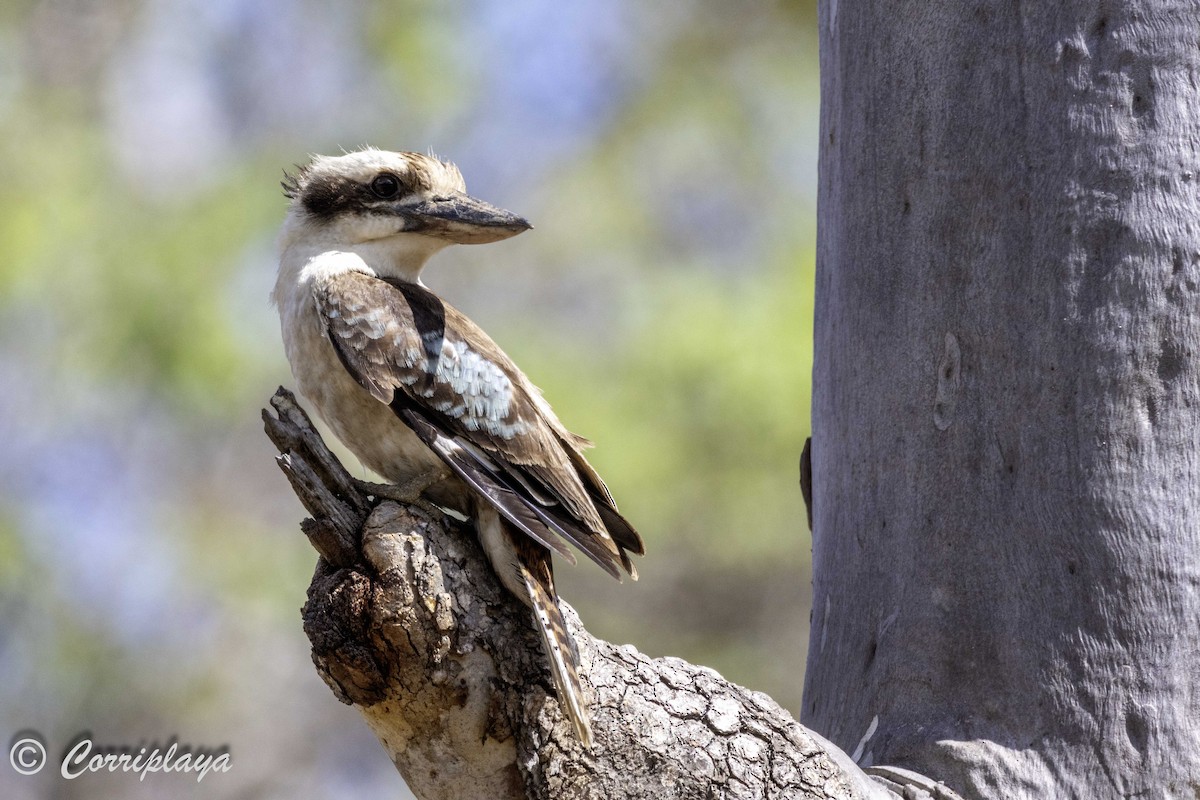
[{"x": 150, "y": 564}]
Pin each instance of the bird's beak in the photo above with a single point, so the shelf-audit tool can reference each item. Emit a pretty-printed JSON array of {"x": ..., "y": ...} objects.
[{"x": 462, "y": 219}]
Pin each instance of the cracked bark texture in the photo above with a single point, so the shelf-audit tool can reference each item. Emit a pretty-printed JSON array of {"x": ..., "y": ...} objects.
[
  {"x": 1006, "y": 489},
  {"x": 408, "y": 623}
]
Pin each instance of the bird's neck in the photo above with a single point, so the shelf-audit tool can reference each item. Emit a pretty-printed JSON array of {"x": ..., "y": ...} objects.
[{"x": 402, "y": 256}]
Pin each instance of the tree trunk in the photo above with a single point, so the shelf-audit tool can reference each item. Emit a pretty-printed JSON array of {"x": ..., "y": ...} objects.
[{"x": 1006, "y": 406}]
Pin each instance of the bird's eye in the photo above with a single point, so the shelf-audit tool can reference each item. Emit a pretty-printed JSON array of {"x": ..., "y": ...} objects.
[{"x": 385, "y": 186}]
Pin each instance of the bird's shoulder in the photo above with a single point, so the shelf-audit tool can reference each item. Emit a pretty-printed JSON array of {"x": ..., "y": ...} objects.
[
  {"x": 443, "y": 375},
  {"x": 393, "y": 335}
]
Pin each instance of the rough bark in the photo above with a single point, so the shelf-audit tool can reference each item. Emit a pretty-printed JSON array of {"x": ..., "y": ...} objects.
[
  {"x": 408, "y": 623},
  {"x": 1006, "y": 491}
]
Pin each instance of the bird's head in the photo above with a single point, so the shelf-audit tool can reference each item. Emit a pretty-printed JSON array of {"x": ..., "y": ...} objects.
[{"x": 406, "y": 204}]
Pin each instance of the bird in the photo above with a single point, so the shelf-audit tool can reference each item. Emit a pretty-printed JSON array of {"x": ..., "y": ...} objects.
[{"x": 422, "y": 395}]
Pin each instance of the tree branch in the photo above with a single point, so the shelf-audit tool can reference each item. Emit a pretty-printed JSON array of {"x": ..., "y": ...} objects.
[{"x": 408, "y": 623}]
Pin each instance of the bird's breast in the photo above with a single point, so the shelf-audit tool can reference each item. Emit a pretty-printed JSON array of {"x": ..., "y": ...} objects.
[{"x": 366, "y": 426}]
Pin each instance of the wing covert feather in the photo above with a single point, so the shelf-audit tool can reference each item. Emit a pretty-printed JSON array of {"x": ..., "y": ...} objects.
[{"x": 449, "y": 382}]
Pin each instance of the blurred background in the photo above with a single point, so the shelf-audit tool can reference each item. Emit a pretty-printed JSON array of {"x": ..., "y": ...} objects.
[{"x": 151, "y": 567}]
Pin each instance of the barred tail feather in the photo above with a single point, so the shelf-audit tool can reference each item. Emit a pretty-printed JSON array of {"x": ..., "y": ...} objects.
[
  {"x": 563, "y": 656},
  {"x": 526, "y": 570}
]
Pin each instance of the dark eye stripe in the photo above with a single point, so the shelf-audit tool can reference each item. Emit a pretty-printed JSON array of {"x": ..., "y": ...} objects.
[{"x": 326, "y": 197}]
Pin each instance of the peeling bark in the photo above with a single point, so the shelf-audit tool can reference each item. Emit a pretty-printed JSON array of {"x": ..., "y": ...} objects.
[{"x": 413, "y": 629}]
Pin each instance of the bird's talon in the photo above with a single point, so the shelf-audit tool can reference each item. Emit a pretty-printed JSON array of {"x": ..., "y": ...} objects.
[{"x": 408, "y": 495}]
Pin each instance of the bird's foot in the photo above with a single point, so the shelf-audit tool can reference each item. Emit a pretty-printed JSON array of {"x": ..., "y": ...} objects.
[{"x": 408, "y": 493}]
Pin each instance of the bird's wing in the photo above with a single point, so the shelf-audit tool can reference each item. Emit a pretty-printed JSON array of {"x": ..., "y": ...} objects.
[
  {"x": 626, "y": 536},
  {"x": 449, "y": 382}
]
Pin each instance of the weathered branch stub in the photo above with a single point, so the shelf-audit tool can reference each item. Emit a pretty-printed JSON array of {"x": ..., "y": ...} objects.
[{"x": 408, "y": 624}]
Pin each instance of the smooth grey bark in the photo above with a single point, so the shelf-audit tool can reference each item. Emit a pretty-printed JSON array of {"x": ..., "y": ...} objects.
[
  {"x": 1006, "y": 409},
  {"x": 409, "y": 624}
]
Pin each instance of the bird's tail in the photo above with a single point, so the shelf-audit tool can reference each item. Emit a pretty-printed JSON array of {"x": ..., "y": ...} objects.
[
  {"x": 538, "y": 576},
  {"x": 564, "y": 657},
  {"x": 525, "y": 569}
]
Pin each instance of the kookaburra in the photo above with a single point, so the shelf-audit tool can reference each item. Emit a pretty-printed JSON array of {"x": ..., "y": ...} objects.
[{"x": 421, "y": 394}]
